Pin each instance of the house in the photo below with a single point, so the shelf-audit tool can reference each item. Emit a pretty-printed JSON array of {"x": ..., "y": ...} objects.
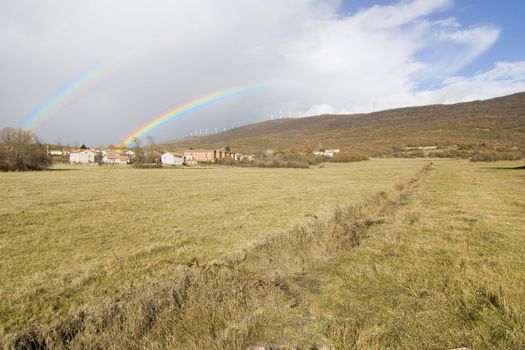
[
  {"x": 83, "y": 156},
  {"x": 210, "y": 155},
  {"x": 55, "y": 153},
  {"x": 202, "y": 155},
  {"x": 246, "y": 157},
  {"x": 170, "y": 158},
  {"x": 327, "y": 152},
  {"x": 422, "y": 148},
  {"x": 116, "y": 158}
]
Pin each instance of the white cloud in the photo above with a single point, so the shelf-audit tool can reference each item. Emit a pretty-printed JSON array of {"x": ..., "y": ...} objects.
[
  {"x": 313, "y": 57},
  {"x": 393, "y": 16},
  {"x": 504, "y": 79},
  {"x": 320, "y": 109}
]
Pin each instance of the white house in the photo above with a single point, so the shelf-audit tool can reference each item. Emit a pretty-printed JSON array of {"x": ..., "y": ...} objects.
[
  {"x": 55, "y": 152},
  {"x": 169, "y": 158},
  {"x": 115, "y": 158},
  {"x": 333, "y": 150},
  {"x": 83, "y": 156},
  {"x": 327, "y": 152}
]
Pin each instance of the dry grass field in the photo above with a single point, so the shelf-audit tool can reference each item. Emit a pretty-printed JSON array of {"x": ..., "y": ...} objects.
[
  {"x": 445, "y": 270},
  {"x": 369, "y": 255},
  {"x": 73, "y": 234}
]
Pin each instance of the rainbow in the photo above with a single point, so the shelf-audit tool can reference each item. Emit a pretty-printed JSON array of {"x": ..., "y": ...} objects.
[
  {"x": 66, "y": 93},
  {"x": 187, "y": 107},
  {"x": 76, "y": 86}
]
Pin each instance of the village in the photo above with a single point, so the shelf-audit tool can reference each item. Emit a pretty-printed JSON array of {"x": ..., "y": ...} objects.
[
  {"x": 127, "y": 156},
  {"x": 190, "y": 157}
]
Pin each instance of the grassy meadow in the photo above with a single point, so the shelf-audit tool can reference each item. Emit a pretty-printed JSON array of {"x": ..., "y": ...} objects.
[
  {"x": 369, "y": 255},
  {"x": 73, "y": 233},
  {"x": 445, "y": 270}
]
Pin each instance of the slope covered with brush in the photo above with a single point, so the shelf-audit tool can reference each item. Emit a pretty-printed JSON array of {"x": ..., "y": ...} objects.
[{"x": 498, "y": 123}]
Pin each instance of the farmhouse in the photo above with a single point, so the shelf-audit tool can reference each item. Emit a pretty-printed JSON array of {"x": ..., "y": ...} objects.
[
  {"x": 116, "y": 158},
  {"x": 83, "y": 156},
  {"x": 170, "y": 158}
]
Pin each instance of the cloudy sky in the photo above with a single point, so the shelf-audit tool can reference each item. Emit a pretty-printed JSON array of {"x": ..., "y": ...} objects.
[{"x": 95, "y": 71}]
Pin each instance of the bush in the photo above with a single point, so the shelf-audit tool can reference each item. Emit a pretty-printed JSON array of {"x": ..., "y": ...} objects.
[
  {"x": 347, "y": 157},
  {"x": 146, "y": 166},
  {"x": 491, "y": 156},
  {"x": 280, "y": 160},
  {"x": 21, "y": 150},
  {"x": 306, "y": 158},
  {"x": 279, "y": 164},
  {"x": 450, "y": 153},
  {"x": 270, "y": 163},
  {"x": 227, "y": 161}
]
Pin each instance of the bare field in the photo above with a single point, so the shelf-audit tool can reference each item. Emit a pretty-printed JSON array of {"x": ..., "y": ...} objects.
[{"x": 73, "y": 234}]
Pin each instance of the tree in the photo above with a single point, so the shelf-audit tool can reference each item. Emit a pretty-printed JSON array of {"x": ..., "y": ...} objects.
[
  {"x": 151, "y": 141},
  {"x": 21, "y": 150},
  {"x": 139, "y": 152},
  {"x": 83, "y": 146},
  {"x": 151, "y": 155}
]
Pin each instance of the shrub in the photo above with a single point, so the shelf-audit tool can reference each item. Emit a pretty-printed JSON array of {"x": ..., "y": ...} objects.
[
  {"x": 280, "y": 164},
  {"x": 21, "y": 150},
  {"x": 271, "y": 163},
  {"x": 227, "y": 161},
  {"x": 492, "y": 156},
  {"x": 307, "y": 158},
  {"x": 347, "y": 157},
  {"x": 450, "y": 153},
  {"x": 280, "y": 161},
  {"x": 146, "y": 166}
]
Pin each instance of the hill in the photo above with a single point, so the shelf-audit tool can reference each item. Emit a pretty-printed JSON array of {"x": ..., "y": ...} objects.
[{"x": 497, "y": 123}]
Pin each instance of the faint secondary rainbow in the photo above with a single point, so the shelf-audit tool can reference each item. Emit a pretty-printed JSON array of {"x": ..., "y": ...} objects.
[
  {"x": 80, "y": 84},
  {"x": 66, "y": 93},
  {"x": 188, "y": 107}
]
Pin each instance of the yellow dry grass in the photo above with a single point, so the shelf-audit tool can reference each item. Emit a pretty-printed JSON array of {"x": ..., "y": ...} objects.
[
  {"x": 76, "y": 235},
  {"x": 411, "y": 259},
  {"x": 445, "y": 270}
]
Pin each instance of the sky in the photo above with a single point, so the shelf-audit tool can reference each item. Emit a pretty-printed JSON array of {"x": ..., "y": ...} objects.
[{"x": 95, "y": 72}]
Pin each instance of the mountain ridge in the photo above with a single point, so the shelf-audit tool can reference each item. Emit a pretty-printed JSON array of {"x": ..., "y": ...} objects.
[{"x": 497, "y": 122}]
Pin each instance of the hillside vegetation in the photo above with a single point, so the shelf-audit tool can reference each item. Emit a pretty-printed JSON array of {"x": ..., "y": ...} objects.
[{"x": 497, "y": 123}]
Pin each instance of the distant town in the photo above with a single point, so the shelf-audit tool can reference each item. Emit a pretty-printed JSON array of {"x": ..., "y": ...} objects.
[{"x": 122, "y": 155}]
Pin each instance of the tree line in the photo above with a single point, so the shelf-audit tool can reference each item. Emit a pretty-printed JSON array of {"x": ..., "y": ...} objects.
[{"x": 21, "y": 150}]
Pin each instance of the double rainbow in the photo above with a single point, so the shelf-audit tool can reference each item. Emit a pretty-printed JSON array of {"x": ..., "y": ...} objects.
[{"x": 188, "y": 107}]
